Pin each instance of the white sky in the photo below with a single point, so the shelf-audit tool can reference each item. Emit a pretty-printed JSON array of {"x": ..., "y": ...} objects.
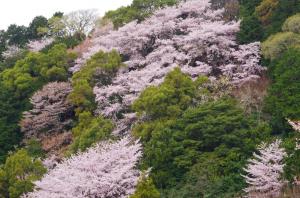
[{"x": 21, "y": 12}]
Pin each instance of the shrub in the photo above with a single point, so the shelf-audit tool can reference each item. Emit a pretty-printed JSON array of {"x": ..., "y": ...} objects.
[
  {"x": 90, "y": 130},
  {"x": 292, "y": 24},
  {"x": 277, "y": 44},
  {"x": 18, "y": 174}
]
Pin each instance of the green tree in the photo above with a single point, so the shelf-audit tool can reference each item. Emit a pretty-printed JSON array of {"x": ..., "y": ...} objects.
[
  {"x": 2, "y": 44},
  {"x": 37, "y": 23},
  {"x": 90, "y": 130},
  {"x": 177, "y": 133},
  {"x": 16, "y": 35},
  {"x": 277, "y": 44},
  {"x": 18, "y": 174},
  {"x": 9, "y": 115},
  {"x": 250, "y": 30},
  {"x": 146, "y": 189},
  {"x": 35, "y": 69},
  {"x": 284, "y": 95},
  {"x": 265, "y": 10},
  {"x": 292, "y": 24},
  {"x": 216, "y": 174},
  {"x": 174, "y": 95},
  {"x": 122, "y": 16}
]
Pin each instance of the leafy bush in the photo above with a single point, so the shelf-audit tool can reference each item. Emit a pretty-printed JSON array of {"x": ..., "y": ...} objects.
[
  {"x": 265, "y": 10},
  {"x": 90, "y": 130},
  {"x": 34, "y": 148},
  {"x": 18, "y": 174},
  {"x": 145, "y": 189},
  {"x": 292, "y": 24},
  {"x": 277, "y": 44},
  {"x": 173, "y": 95}
]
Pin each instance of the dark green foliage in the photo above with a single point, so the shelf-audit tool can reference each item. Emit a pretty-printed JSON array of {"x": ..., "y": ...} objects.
[
  {"x": 248, "y": 6},
  {"x": 180, "y": 145},
  {"x": 58, "y": 14},
  {"x": 221, "y": 124},
  {"x": 284, "y": 94},
  {"x": 71, "y": 41},
  {"x": 90, "y": 130},
  {"x": 16, "y": 35},
  {"x": 292, "y": 167},
  {"x": 2, "y": 45},
  {"x": 37, "y": 22},
  {"x": 9, "y": 116},
  {"x": 208, "y": 178},
  {"x": 250, "y": 30},
  {"x": 18, "y": 173},
  {"x": 172, "y": 147}
]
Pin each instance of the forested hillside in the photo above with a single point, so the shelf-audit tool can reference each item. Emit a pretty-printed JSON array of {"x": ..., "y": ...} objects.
[{"x": 161, "y": 98}]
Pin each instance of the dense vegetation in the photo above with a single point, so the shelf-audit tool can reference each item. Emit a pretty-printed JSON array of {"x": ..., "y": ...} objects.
[
  {"x": 177, "y": 134},
  {"x": 185, "y": 138},
  {"x": 18, "y": 83}
]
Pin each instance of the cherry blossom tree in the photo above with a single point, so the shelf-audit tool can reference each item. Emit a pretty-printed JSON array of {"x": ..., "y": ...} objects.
[
  {"x": 295, "y": 125},
  {"x": 50, "y": 117},
  {"x": 190, "y": 35},
  {"x": 38, "y": 45},
  {"x": 265, "y": 169},
  {"x": 107, "y": 171},
  {"x": 11, "y": 51}
]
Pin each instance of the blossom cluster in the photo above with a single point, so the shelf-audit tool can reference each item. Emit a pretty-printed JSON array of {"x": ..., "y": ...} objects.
[
  {"x": 38, "y": 45},
  {"x": 264, "y": 171},
  {"x": 190, "y": 35},
  {"x": 105, "y": 171},
  {"x": 50, "y": 117}
]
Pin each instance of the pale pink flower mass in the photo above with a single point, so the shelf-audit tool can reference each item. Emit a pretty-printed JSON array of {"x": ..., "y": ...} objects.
[
  {"x": 191, "y": 36},
  {"x": 107, "y": 170}
]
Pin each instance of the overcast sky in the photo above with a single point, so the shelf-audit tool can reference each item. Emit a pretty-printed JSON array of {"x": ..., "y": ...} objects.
[{"x": 21, "y": 12}]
